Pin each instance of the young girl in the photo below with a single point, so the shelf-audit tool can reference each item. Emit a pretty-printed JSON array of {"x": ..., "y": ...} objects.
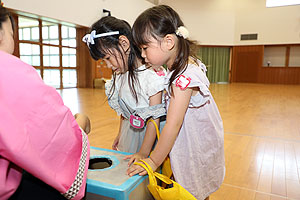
[
  {"x": 135, "y": 91},
  {"x": 193, "y": 134}
]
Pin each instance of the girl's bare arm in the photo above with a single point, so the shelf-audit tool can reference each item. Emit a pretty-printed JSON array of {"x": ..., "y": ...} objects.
[{"x": 176, "y": 112}]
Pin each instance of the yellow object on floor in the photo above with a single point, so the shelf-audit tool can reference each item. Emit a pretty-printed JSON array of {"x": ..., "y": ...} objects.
[{"x": 174, "y": 191}]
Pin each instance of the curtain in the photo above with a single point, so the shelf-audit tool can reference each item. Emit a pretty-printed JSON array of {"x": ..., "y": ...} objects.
[{"x": 216, "y": 60}]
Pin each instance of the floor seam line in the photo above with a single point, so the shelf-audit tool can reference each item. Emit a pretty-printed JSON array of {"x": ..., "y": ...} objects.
[
  {"x": 243, "y": 188},
  {"x": 267, "y": 137}
]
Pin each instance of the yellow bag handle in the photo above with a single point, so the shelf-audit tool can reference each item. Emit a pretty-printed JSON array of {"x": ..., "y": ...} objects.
[
  {"x": 166, "y": 166},
  {"x": 163, "y": 178},
  {"x": 153, "y": 175},
  {"x": 152, "y": 178},
  {"x": 161, "y": 193},
  {"x": 156, "y": 127}
]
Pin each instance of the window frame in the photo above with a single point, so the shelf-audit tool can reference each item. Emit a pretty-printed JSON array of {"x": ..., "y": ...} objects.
[
  {"x": 286, "y": 56},
  {"x": 41, "y": 45}
]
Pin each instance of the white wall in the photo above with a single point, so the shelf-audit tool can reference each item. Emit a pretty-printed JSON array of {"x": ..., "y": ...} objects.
[
  {"x": 80, "y": 12},
  {"x": 278, "y": 25},
  {"x": 211, "y": 22},
  {"x": 208, "y": 21},
  {"x": 220, "y": 22}
]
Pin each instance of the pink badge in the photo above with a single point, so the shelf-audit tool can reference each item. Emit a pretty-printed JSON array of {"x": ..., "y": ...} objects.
[
  {"x": 183, "y": 82},
  {"x": 136, "y": 121},
  {"x": 160, "y": 73}
]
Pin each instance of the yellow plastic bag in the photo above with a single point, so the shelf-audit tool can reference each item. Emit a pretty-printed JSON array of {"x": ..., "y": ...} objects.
[
  {"x": 174, "y": 190},
  {"x": 166, "y": 166}
]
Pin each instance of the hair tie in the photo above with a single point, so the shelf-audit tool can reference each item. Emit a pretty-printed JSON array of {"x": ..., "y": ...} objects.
[
  {"x": 89, "y": 38},
  {"x": 182, "y": 32}
]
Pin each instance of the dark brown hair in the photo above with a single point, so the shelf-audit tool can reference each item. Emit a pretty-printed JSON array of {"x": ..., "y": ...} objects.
[
  {"x": 157, "y": 22},
  {"x": 5, "y": 15},
  {"x": 104, "y": 45}
]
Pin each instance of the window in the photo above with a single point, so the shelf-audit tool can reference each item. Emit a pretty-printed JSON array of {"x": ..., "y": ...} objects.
[
  {"x": 276, "y": 3},
  {"x": 51, "y": 48},
  {"x": 50, "y": 33},
  {"x": 68, "y": 57},
  {"x": 51, "y": 56},
  {"x": 282, "y": 55},
  {"x": 69, "y": 77},
  {"x": 52, "y": 77},
  {"x": 274, "y": 56},
  {"x": 68, "y": 36},
  {"x": 294, "y": 60},
  {"x": 29, "y": 29},
  {"x": 30, "y": 53}
]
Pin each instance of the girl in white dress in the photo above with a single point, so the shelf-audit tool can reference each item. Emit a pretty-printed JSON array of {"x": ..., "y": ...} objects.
[
  {"x": 193, "y": 135},
  {"x": 135, "y": 91}
]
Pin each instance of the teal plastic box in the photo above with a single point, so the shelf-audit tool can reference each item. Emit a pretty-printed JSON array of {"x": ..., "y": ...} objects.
[{"x": 107, "y": 179}]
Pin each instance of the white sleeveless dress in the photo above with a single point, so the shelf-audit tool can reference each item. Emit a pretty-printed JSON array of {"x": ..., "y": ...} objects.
[{"x": 197, "y": 157}]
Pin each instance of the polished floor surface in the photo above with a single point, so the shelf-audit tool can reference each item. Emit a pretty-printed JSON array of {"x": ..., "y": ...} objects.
[{"x": 262, "y": 136}]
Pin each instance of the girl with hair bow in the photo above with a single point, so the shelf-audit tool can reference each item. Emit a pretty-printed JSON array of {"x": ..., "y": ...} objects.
[{"x": 193, "y": 135}]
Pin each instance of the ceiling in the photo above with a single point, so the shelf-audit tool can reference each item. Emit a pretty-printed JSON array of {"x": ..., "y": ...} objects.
[{"x": 155, "y": 2}]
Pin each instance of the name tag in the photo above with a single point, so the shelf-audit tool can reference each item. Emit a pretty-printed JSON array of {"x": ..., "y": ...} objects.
[
  {"x": 159, "y": 73},
  {"x": 182, "y": 82},
  {"x": 136, "y": 121}
]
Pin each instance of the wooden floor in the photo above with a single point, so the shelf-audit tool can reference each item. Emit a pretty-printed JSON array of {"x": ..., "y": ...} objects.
[{"x": 262, "y": 136}]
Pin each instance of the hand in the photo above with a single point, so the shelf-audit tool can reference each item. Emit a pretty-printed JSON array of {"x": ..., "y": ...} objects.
[
  {"x": 114, "y": 146},
  {"x": 83, "y": 121},
  {"x": 134, "y": 158},
  {"x": 136, "y": 169}
]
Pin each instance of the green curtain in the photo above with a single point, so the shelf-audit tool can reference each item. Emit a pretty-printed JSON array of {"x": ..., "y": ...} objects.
[{"x": 216, "y": 60}]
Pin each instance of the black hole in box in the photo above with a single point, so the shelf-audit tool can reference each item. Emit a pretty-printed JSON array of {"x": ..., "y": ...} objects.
[{"x": 100, "y": 163}]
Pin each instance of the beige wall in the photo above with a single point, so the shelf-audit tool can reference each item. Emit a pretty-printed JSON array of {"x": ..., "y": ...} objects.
[
  {"x": 278, "y": 25},
  {"x": 80, "y": 12},
  {"x": 220, "y": 22},
  {"x": 211, "y": 22}
]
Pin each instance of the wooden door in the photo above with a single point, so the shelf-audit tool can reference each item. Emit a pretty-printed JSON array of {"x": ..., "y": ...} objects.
[{"x": 246, "y": 63}]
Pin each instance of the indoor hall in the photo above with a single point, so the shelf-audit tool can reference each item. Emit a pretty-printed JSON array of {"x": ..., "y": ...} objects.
[
  {"x": 252, "y": 55},
  {"x": 262, "y": 136}
]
